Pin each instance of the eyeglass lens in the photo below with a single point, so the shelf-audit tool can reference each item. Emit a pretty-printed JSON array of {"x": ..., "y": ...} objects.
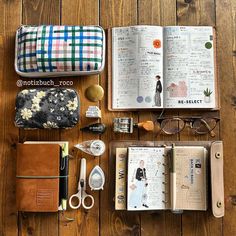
[
  {"x": 172, "y": 126},
  {"x": 203, "y": 126}
]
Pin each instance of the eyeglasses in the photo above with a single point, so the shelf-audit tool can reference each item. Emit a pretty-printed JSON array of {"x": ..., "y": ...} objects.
[{"x": 200, "y": 125}]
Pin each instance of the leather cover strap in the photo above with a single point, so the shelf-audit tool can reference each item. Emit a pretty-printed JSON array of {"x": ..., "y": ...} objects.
[{"x": 217, "y": 179}]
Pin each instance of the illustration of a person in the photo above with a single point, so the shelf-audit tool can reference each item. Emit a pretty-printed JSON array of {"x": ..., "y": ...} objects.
[
  {"x": 158, "y": 91},
  {"x": 137, "y": 198}
]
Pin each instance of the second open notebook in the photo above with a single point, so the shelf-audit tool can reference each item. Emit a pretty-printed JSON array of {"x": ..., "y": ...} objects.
[{"x": 166, "y": 177}]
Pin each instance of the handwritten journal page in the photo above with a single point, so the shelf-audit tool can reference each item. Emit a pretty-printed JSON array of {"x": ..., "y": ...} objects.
[
  {"x": 189, "y": 67},
  {"x": 137, "y": 67}
]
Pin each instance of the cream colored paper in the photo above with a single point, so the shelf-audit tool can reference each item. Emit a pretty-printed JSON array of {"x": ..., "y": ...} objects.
[
  {"x": 191, "y": 184},
  {"x": 121, "y": 176}
]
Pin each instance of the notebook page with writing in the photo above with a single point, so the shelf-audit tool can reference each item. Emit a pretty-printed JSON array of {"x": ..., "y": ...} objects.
[
  {"x": 189, "y": 67},
  {"x": 146, "y": 185},
  {"x": 137, "y": 67}
]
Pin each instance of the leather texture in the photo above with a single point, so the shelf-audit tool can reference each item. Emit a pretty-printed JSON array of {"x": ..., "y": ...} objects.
[
  {"x": 37, "y": 177},
  {"x": 217, "y": 179}
]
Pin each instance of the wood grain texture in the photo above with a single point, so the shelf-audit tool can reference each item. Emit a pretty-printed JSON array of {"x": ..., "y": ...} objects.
[
  {"x": 198, "y": 13},
  {"x": 226, "y": 48},
  {"x": 36, "y": 12},
  {"x": 103, "y": 219},
  {"x": 9, "y": 20},
  {"x": 160, "y": 13},
  {"x": 115, "y": 13},
  {"x": 86, "y": 222},
  {"x": 39, "y": 12},
  {"x": 38, "y": 224}
]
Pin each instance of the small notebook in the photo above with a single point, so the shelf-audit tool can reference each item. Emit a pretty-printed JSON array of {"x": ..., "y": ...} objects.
[
  {"x": 64, "y": 170},
  {"x": 37, "y": 177},
  {"x": 149, "y": 183}
]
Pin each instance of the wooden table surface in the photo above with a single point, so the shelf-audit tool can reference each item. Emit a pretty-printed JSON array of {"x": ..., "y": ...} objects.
[{"x": 102, "y": 219}]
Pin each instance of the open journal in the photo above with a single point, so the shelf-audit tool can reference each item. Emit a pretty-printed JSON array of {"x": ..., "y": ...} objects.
[
  {"x": 160, "y": 178},
  {"x": 163, "y": 67}
]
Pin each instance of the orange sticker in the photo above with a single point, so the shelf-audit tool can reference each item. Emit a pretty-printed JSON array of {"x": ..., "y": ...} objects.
[{"x": 157, "y": 43}]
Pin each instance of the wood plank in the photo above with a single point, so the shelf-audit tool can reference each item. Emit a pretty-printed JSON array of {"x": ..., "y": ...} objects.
[
  {"x": 38, "y": 224},
  {"x": 81, "y": 12},
  {"x": 10, "y": 19},
  {"x": 202, "y": 222},
  {"x": 40, "y": 12},
  {"x": 226, "y": 48},
  {"x": 102, "y": 219},
  {"x": 197, "y": 13},
  {"x": 157, "y": 12},
  {"x": 36, "y": 13},
  {"x": 160, "y": 13},
  {"x": 115, "y": 13}
]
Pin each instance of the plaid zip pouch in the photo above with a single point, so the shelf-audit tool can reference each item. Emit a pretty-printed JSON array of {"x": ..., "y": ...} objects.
[
  {"x": 49, "y": 50},
  {"x": 26, "y": 49}
]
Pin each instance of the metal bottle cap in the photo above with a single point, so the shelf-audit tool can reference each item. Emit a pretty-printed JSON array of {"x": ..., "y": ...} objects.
[{"x": 94, "y": 93}]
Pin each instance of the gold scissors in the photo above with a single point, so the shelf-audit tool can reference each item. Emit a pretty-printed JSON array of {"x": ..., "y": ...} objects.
[{"x": 81, "y": 195}]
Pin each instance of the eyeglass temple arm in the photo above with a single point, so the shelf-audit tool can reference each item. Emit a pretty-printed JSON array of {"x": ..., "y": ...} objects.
[{"x": 212, "y": 133}]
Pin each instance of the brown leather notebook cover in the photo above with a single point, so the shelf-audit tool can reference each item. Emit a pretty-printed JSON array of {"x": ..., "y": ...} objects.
[{"x": 37, "y": 177}]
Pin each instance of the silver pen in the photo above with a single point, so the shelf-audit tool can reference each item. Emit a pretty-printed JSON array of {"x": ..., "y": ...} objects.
[{"x": 173, "y": 178}]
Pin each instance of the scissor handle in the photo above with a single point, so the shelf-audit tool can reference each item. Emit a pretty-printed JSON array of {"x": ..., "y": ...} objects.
[
  {"x": 79, "y": 201},
  {"x": 85, "y": 195}
]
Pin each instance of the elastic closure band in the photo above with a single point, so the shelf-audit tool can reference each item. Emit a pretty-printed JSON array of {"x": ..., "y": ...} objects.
[{"x": 40, "y": 177}]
